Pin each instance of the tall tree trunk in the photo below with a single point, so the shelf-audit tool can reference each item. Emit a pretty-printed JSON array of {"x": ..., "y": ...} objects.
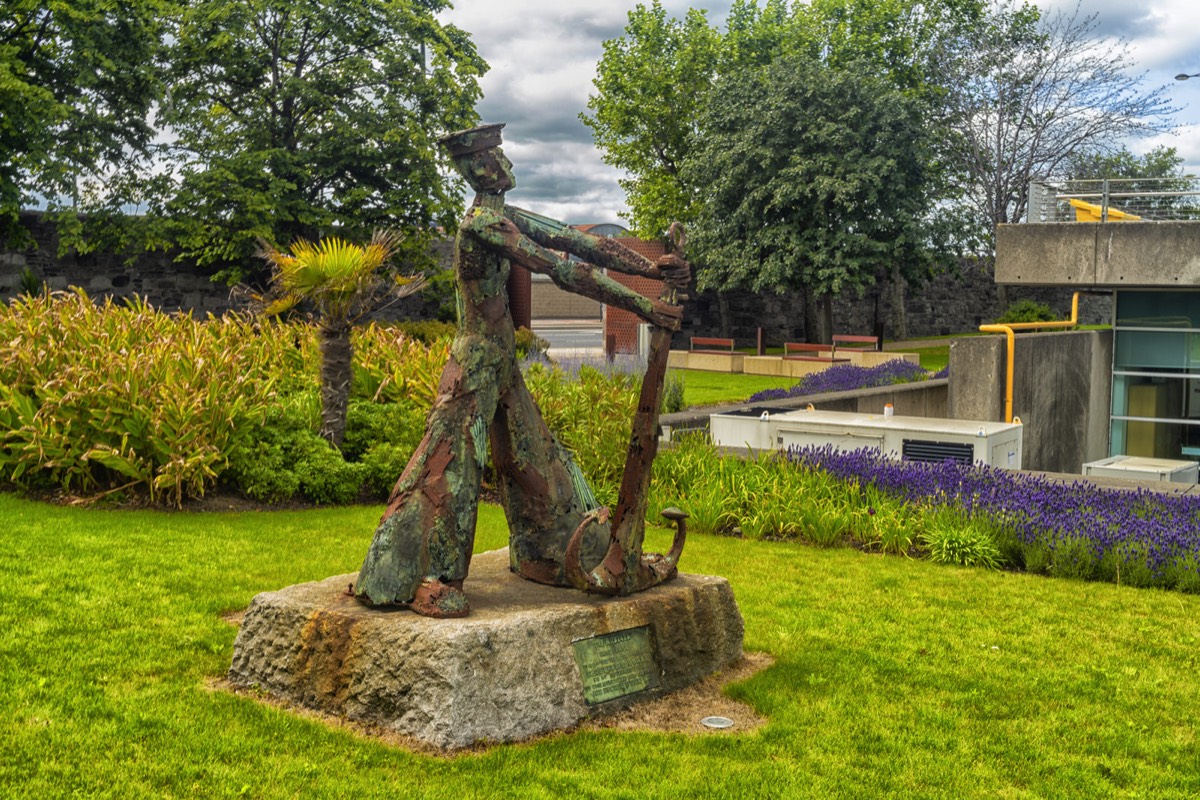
[
  {"x": 1002, "y": 299},
  {"x": 812, "y": 321},
  {"x": 899, "y": 310},
  {"x": 725, "y": 312},
  {"x": 336, "y": 353},
  {"x": 826, "y": 320}
]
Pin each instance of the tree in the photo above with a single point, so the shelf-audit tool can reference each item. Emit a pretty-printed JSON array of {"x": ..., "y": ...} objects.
[
  {"x": 77, "y": 82},
  {"x": 896, "y": 40},
  {"x": 1027, "y": 95},
  {"x": 650, "y": 86},
  {"x": 343, "y": 282},
  {"x": 299, "y": 118},
  {"x": 1159, "y": 164},
  {"x": 1140, "y": 184},
  {"x": 815, "y": 176}
]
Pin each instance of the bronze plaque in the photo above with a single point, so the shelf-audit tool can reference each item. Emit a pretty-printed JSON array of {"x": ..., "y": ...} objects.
[{"x": 616, "y": 664}]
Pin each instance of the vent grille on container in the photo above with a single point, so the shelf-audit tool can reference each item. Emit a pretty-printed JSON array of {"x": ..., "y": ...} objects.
[{"x": 916, "y": 450}]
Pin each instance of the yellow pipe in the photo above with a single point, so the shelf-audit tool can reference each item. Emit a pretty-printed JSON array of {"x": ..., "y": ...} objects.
[{"x": 1009, "y": 331}]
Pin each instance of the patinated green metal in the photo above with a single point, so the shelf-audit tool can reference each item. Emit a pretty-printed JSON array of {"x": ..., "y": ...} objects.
[{"x": 421, "y": 551}]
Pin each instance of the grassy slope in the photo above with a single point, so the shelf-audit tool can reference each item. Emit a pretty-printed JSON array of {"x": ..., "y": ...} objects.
[{"x": 894, "y": 677}]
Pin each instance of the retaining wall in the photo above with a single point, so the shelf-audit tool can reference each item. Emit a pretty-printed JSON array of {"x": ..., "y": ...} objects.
[
  {"x": 1061, "y": 392},
  {"x": 948, "y": 304}
]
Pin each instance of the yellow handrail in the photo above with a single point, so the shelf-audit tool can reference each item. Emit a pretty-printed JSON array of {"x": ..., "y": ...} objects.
[{"x": 1009, "y": 331}]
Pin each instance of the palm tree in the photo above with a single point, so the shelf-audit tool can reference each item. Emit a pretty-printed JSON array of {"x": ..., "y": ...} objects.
[{"x": 344, "y": 282}]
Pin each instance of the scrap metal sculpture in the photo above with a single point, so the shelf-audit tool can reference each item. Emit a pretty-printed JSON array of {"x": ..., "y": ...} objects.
[{"x": 421, "y": 551}]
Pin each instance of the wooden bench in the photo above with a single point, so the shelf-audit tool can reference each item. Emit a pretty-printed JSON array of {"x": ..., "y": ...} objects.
[
  {"x": 803, "y": 347},
  {"x": 708, "y": 344},
  {"x": 857, "y": 342}
]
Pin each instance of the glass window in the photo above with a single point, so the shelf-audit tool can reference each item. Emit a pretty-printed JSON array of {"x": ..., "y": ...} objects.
[{"x": 1156, "y": 375}]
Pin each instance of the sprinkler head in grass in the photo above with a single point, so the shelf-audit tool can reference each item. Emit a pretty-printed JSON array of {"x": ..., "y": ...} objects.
[{"x": 717, "y": 723}]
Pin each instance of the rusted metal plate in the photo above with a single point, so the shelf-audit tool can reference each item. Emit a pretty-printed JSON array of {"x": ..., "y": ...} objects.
[{"x": 617, "y": 664}]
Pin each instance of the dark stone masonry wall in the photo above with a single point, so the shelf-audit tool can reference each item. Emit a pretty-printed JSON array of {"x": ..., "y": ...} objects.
[
  {"x": 949, "y": 304},
  {"x": 167, "y": 284}
]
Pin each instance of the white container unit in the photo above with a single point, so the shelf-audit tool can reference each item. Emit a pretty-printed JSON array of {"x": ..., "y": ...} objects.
[
  {"x": 1140, "y": 468},
  {"x": 996, "y": 444}
]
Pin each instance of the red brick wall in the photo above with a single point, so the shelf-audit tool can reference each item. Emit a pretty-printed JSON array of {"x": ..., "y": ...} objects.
[{"x": 623, "y": 325}]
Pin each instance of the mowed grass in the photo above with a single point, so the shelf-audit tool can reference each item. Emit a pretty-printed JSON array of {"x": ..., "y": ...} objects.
[
  {"x": 893, "y": 677},
  {"x": 703, "y": 388}
]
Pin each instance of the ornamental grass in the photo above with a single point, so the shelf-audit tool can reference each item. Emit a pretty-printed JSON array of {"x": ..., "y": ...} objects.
[{"x": 1072, "y": 529}]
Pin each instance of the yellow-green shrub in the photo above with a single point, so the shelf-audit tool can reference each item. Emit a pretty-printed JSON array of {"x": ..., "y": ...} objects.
[
  {"x": 391, "y": 366},
  {"x": 592, "y": 415},
  {"x": 96, "y": 398},
  {"x": 107, "y": 396}
]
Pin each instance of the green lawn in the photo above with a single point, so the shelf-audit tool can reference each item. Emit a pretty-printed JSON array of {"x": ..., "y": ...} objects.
[
  {"x": 703, "y": 388},
  {"x": 893, "y": 677},
  {"x": 933, "y": 359}
]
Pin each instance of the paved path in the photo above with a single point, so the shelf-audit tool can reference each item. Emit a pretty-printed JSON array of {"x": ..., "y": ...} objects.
[{"x": 572, "y": 337}]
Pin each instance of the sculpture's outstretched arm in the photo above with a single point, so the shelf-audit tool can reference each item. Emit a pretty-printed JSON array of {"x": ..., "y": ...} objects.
[
  {"x": 601, "y": 251},
  {"x": 578, "y": 277}
]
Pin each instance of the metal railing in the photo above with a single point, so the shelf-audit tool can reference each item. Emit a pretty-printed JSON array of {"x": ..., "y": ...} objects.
[{"x": 1115, "y": 200}]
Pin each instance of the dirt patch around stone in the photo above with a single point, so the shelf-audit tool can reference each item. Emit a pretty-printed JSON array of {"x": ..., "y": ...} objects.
[{"x": 681, "y": 711}]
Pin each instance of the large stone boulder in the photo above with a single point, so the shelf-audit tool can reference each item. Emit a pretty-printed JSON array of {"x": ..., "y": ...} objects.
[{"x": 528, "y": 660}]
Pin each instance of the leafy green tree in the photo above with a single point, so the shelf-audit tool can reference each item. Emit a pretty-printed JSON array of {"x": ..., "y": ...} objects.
[
  {"x": 1159, "y": 163},
  {"x": 343, "y": 282},
  {"x": 650, "y": 87},
  {"x": 1141, "y": 184},
  {"x": 815, "y": 176},
  {"x": 77, "y": 82},
  {"x": 300, "y": 118},
  {"x": 900, "y": 41}
]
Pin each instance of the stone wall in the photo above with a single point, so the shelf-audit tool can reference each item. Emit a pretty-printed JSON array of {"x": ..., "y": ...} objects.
[
  {"x": 948, "y": 304},
  {"x": 168, "y": 284}
]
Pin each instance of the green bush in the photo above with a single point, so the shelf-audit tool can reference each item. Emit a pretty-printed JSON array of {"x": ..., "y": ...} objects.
[
  {"x": 592, "y": 415},
  {"x": 325, "y": 477},
  {"x": 390, "y": 366},
  {"x": 1027, "y": 311},
  {"x": 672, "y": 401},
  {"x": 103, "y": 398},
  {"x": 289, "y": 460},
  {"x": 426, "y": 331},
  {"x": 949, "y": 537},
  {"x": 382, "y": 438}
]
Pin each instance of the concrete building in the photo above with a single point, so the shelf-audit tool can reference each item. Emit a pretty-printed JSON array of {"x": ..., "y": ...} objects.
[{"x": 1134, "y": 390}]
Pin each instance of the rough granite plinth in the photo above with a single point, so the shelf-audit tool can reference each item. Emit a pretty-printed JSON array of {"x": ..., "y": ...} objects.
[{"x": 505, "y": 673}]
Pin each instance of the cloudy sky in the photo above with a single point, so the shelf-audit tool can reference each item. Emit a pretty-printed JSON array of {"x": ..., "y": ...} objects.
[{"x": 543, "y": 56}]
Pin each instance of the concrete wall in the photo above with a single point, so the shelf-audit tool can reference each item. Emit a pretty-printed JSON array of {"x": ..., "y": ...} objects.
[
  {"x": 1099, "y": 254},
  {"x": 1061, "y": 392},
  {"x": 924, "y": 399}
]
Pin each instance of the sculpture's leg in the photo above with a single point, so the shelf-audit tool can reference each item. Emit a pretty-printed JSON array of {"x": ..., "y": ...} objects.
[
  {"x": 422, "y": 547},
  {"x": 541, "y": 489},
  {"x": 625, "y": 568}
]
